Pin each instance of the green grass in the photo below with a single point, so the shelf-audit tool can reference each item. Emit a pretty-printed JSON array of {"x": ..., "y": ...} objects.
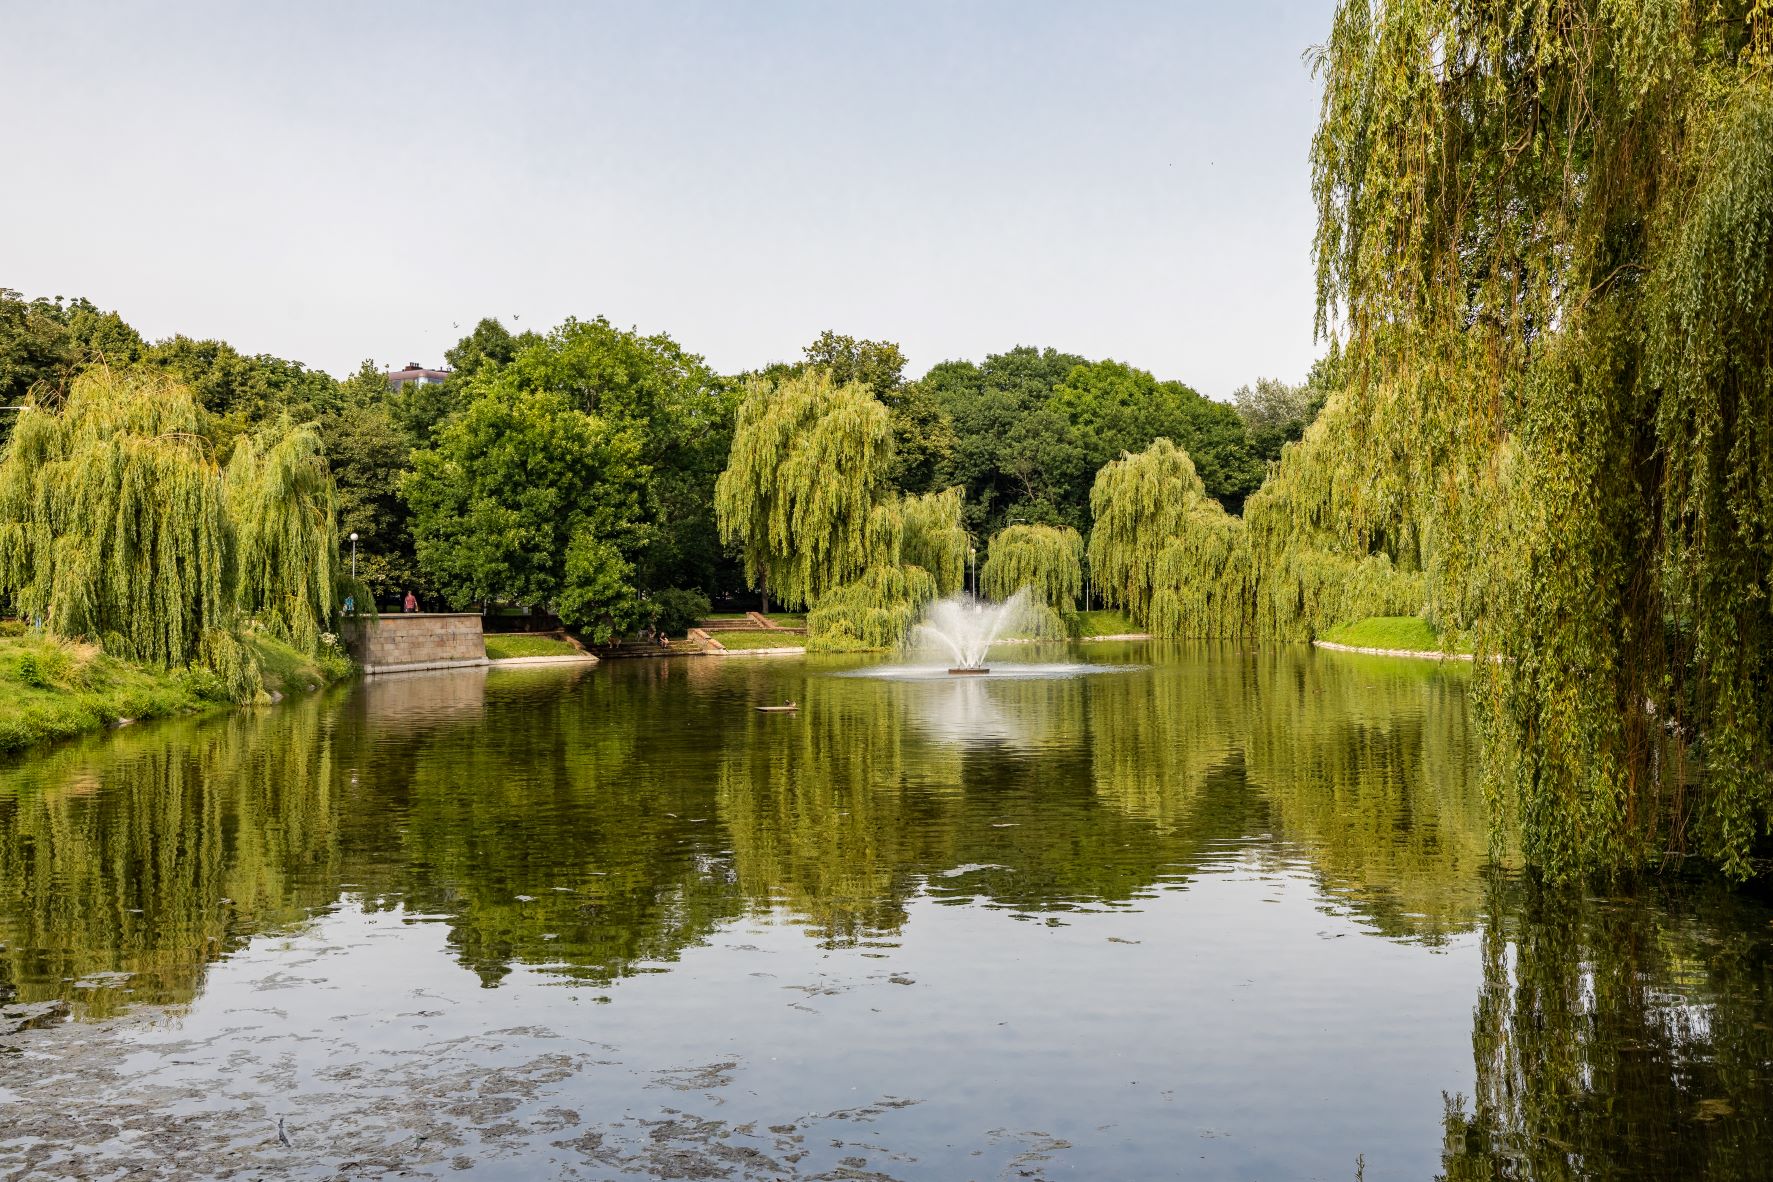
[
  {"x": 759, "y": 639},
  {"x": 1407, "y": 633},
  {"x": 787, "y": 619},
  {"x": 503, "y": 646},
  {"x": 55, "y": 689},
  {"x": 1104, "y": 623},
  {"x": 726, "y": 616}
]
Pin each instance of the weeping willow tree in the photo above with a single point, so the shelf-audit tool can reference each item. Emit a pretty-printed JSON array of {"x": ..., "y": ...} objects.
[
  {"x": 809, "y": 462},
  {"x": 806, "y": 499},
  {"x": 935, "y": 537},
  {"x": 118, "y": 525},
  {"x": 1202, "y": 582},
  {"x": 1168, "y": 553},
  {"x": 1329, "y": 539},
  {"x": 285, "y": 507},
  {"x": 917, "y": 552},
  {"x": 113, "y": 522},
  {"x": 1546, "y": 234},
  {"x": 1046, "y": 561}
]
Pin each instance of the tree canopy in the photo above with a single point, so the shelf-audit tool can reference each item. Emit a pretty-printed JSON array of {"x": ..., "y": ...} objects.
[
  {"x": 117, "y": 525},
  {"x": 525, "y": 498},
  {"x": 1046, "y": 562},
  {"x": 809, "y": 462},
  {"x": 1546, "y": 234}
]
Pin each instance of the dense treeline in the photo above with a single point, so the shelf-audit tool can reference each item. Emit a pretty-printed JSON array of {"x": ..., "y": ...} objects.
[{"x": 576, "y": 469}]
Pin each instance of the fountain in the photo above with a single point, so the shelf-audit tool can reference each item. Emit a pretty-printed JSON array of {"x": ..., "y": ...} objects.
[
  {"x": 967, "y": 628},
  {"x": 963, "y": 629}
]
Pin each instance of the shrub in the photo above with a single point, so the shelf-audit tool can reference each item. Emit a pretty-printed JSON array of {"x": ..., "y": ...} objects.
[{"x": 676, "y": 611}]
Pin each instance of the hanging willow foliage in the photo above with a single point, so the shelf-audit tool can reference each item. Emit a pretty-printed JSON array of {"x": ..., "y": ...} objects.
[
  {"x": 117, "y": 525},
  {"x": 113, "y": 525},
  {"x": 1329, "y": 542},
  {"x": 1202, "y": 585},
  {"x": 1044, "y": 561},
  {"x": 917, "y": 552},
  {"x": 809, "y": 461},
  {"x": 1547, "y": 234},
  {"x": 287, "y": 543},
  {"x": 873, "y": 612},
  {"x": 1140, "y": 504},
  {"x": 935, "y": 537}
]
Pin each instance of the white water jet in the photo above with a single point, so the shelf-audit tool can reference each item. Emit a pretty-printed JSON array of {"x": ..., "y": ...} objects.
[{"x": 966, "y": 628}]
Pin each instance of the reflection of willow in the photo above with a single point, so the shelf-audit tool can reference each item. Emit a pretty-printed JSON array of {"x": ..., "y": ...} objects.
[
  {"x": 1154, "y": 738},
  {"x": 149, "y": 851},
  {"x": 1367, "y": 765},
  {"x": 556, "y": 830},
  {"x": 1619, "y": 1038},
  {"x": 829, "y": 813},
  {"x": 880, "y": 788}
]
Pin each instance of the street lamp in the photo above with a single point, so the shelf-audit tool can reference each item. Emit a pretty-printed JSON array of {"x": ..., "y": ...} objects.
[
  {"x": 353, "y": 554},
  {"x": 972, "y": 557}
]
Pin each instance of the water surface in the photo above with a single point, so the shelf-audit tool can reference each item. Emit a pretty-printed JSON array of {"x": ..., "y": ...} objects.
[{"x": 1195, "y": 911}]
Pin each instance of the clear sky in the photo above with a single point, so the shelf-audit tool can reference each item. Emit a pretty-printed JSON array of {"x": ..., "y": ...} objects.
[{"x": 330, "y": 182}]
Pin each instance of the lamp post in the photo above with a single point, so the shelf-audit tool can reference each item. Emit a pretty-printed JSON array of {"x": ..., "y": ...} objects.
[
  {"x": 353, "y": 554},
  {"x": 972, "y": 561}
]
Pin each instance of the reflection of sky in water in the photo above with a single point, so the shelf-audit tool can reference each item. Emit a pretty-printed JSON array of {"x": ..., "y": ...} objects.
[{"x": 1116, "y": 1044}]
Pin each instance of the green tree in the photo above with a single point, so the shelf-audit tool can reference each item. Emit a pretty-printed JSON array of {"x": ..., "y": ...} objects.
[
  {"x": 879, "y": 365},
  {"x": 1009, "y": 459},
  {"x": 1044, "y": 561},
  {"x": 45, "y": 344},
  {"x": 525, "y": 498},
  {"x": 809, "y": 462},
  {"x": 368, "y": 452},
  {"x": 1114, "y": 409},
  {"x": 242, "y": 391},
  {"x": 1546, "y": 235},
  {"x": 284, "y": 508},
  {"x": 116, "y": 524},
  {"x": 1141, "y": 504},
  {"x": 1274, "y": 414},
  {"x": 676, "y": 412}
]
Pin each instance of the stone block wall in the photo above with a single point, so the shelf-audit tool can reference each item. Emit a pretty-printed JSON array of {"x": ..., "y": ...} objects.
[{"x": 420, "y": 640}]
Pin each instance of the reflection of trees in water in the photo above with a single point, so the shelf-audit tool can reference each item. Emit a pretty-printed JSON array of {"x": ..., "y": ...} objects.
[
  {"x": 877, "y": 790},
  {"x": 1619, "y": 1038},
  {"x": 1155, "y": 738},
  {"x": 1369, "y": 766},
  {"x": 595, "y": 823},
  {"x": 827, "y": 814},
  {"x": 152, "y": 852},
  {"x": 1613, "y": 1038},
  {"x": 557, "y": 829}
]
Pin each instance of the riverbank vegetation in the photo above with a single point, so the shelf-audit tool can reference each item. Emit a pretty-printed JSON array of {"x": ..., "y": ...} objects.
[
  {"x": 52, "y": 688},
  {"x": 1398, "y": 633},
  {"x": 121, "y": 530}
]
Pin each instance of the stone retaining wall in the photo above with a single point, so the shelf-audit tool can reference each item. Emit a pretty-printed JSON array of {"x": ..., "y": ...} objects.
[{"x": 419, "y": 640}]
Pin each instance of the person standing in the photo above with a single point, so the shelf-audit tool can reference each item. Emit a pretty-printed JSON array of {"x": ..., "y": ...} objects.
[{"x": 411, "y": 603}]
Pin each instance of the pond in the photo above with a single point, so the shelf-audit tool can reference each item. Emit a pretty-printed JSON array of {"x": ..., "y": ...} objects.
[{"x": 1208, "y": 912}]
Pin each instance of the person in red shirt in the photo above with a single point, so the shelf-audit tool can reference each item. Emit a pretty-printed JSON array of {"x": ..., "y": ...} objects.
[{"x": 412, "y": 602}]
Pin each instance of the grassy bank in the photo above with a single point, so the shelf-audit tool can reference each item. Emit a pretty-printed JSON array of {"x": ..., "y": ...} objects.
[
  {"x": 1104, "y": 623},
  {"x": 1401, "y": 633},
  {"x": 761, "y": 638},
  {"x": 55, "y": 689},
  {"x": 505, "y": 646}
]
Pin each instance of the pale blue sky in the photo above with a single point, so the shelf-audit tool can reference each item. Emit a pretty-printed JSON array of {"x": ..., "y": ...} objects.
[{"x": 331, "y": 182}]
